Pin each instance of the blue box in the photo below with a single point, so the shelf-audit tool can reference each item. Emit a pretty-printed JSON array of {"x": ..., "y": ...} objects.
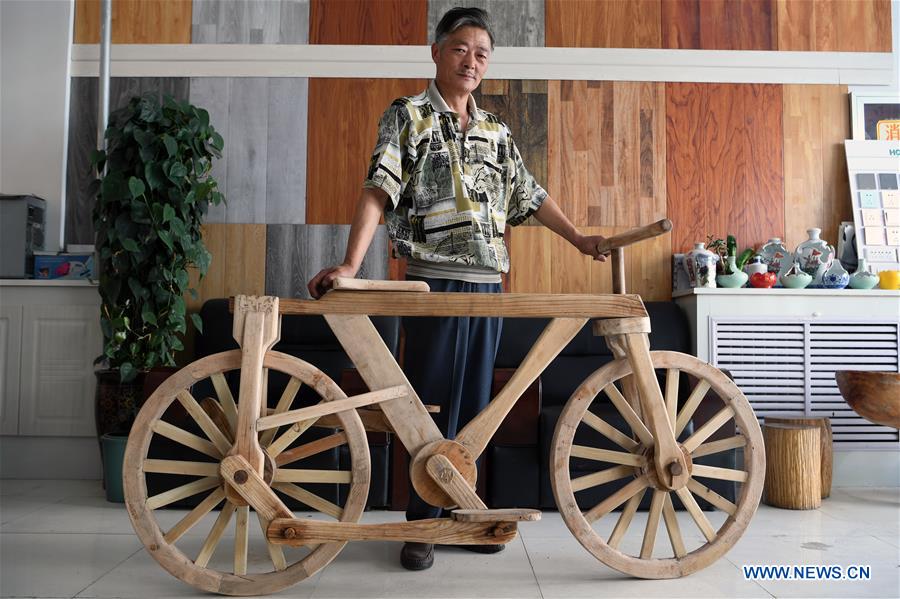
[{"x": 63, "y": 266}]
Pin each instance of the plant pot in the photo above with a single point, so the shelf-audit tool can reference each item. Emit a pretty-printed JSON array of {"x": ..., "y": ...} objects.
[
  {"x": 116, "y": 405},
  {"x": 113, "y": 449}
]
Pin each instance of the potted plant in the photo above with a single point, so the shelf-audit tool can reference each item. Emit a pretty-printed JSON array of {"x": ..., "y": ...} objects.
[{"x": 152, "y": 193}]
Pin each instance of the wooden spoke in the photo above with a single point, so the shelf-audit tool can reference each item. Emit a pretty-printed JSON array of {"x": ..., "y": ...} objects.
[
  {"x": 284, "y": 403},
  {"x": 606, "y": 455},
  {"x": 672, "y": 375},
  {"x": 276, "y": 553},
  {"x": 331, "y": 407},
  {"x": 170, "y": 431},
  {"x": 288, "y": 437},
  {"x": 215, "y": 535},
  {"x": 204, "y": 421},
  {"x": 215, "y": 412},
  {"x": 708, "y": 428},
  {"x": 287, "y": 475},
  {"x": 691, "y": 506},
  {"x": 701, "y": 490},
  {"x": 616, "y": 499},
  {"x": 180, "y": 467},
  {"x": 310, "y": 499},
  {"x": 691, "y": 405},
  {"x": 241, "y": 539},
  {"x": 173, "y": 495},
  {"x": 624, "y": 520},
  {"x": 630, "y": 417},
  {"x": 656, "y": 506},
  {"x": 194, "y": 516},
  {"x": 312, "y": 448},
  {"x": 598, "y": 478},
  {"x": 673, "y": 528},
  {"x": 226, "y": 399},
  {"x": 609, "y": 431},
  {"x": 719, "y": 473},
  {"x": 720, "y": 445}
]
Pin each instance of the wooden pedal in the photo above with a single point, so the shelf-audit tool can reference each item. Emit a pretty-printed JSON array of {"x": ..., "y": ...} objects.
[{"x": 501, "y": 515}]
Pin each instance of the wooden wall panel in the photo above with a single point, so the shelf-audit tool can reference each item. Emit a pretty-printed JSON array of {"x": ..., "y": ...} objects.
[
  {"x": 724, "y": 154},
  {"x": 606, "y": 151},
  {"x": 238, "y": 255},
  {"x": 603, "y": 23},
  {"x": 834, "y": 25},
  {"x": 816, "y": 189},
  {"x": 719, "y": 24},
  {"x": 250, "y": 22},
  {"x": 135, "y": 22},
  {"x": 343, "y": 125},
  {"x": 386, "y": 22},
  {"x": 543, "y": 262},
  {"x": 515, "y": 22}
]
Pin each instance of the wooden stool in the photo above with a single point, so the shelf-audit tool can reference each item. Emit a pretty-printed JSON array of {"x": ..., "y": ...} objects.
[
  {"x": 793, "y": 466},
  {"x": 825, "y": 451}
]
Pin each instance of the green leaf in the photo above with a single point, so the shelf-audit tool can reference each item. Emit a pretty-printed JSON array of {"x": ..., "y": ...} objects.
[
  {"x": 136, "y": 288},
  {"x": 182, "y": 279},
  {"x": 127, "y": 372},
  {"x": 136, "y": 187},
  {"x": 166, "y": 238},
  {"x": 130, "y": 245},
  {"x": 168, "y": 213},
  {"x": 148, "y": 315},
  {"x": 198, "y": 322},
  {"x": 154, "y": 174},
  {"x": 171, "y": 145}
]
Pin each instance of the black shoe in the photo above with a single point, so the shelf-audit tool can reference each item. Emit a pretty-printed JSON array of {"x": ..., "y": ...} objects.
[
  {"x": 484, "y": 548},
  {"x": 417, "y": 556}
]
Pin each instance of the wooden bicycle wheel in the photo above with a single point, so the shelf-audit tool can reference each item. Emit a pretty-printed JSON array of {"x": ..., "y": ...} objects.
[
  {"x": 192, "y": 549},
  {"x": 632, "y": 463}
]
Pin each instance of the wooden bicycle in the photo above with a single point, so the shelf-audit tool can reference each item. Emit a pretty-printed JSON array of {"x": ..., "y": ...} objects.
[{"x": 244, "y": 450}]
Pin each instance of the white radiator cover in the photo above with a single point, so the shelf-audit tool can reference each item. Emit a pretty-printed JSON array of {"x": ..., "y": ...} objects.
[{"x": 787, "y": 366}]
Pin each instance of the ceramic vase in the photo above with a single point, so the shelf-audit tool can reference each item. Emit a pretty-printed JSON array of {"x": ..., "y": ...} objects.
[
  {"x": 700, "y": 264},
  {"x": 773, "y": 254},
  {"x": 755, "y": 265},
  {"x": 795, "y": 278},
  {"x": 735, "y": 278},
  {"x": 835, "y": 277},
  {"x": 810, "y": 253},
  {"x": 863, "y": 278}
]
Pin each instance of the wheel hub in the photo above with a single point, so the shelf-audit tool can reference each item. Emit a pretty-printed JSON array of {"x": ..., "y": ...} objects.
[{"x": 649, "y": 468}]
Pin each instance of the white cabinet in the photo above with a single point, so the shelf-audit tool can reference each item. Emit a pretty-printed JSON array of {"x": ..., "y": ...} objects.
[
  {"x": 10, "y": 360},
  {"x": 49, "y": 337},
  {"x": 783, "y": 346}
]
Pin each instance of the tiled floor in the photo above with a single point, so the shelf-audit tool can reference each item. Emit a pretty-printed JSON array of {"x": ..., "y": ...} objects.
[{"x": 62, "y": 539}]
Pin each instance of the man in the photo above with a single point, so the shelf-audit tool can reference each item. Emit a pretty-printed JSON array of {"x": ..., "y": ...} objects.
[{"x": 448, "y": 178}]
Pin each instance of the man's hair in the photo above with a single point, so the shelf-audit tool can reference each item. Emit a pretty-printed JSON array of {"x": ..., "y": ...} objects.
[{"x": 458, "y": 17}]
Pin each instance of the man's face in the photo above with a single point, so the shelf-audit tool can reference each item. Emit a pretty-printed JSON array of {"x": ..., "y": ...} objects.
[{"x": 462, "y": 59}]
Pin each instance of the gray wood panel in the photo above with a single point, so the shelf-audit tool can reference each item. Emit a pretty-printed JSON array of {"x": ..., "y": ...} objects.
[
  {"x": 286, "y": 163},
  {"x": 250, "y": 22},
  {"x": 263, "y": 170},
  {"x": 83, "y": 139},
  {"x": 248, "y": 101},
  {"x": 211, "y": 93},
  {"x": 515, "y": 22},
  {"x": 295, "y": 253}
]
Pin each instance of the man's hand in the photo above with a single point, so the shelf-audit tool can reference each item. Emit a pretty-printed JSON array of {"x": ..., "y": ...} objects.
[
  {"x": 323, "y": 281},
  {"x": 587, "y": 244}
]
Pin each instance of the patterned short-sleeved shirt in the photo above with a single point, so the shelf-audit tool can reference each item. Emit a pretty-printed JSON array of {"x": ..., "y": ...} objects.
[{"x": 451, "y": 197}]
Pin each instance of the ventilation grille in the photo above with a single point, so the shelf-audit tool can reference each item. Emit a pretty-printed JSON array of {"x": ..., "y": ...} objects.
[{"x": 770, "y": 363}]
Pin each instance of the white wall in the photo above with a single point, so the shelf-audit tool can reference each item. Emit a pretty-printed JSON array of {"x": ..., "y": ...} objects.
[{"x": 35, "y": 46}]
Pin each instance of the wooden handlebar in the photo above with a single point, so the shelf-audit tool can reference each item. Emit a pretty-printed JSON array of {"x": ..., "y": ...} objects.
[{"x": 634, "y": 235}]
